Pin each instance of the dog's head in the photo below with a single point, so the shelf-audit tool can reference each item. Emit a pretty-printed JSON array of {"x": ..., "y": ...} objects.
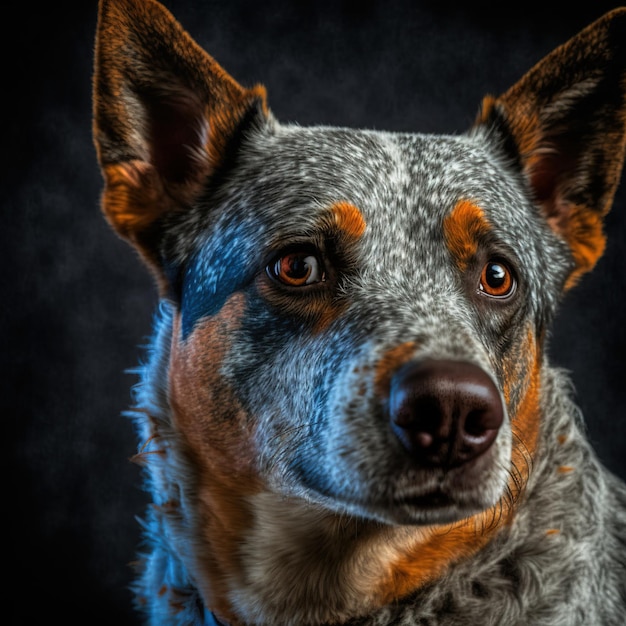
[{"x": 358, "y": 316}]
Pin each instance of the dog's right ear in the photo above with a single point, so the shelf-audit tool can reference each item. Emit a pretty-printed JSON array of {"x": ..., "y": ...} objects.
[
  {"x": 166, "y": 116},
  {"x": 564, "y": 123}
]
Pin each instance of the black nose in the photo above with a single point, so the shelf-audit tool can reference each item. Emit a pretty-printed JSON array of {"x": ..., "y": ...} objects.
[{"x": 445, "y": 413}]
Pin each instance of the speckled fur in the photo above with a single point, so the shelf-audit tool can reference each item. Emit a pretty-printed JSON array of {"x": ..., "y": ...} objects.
[{"x": 280, "y": 493}]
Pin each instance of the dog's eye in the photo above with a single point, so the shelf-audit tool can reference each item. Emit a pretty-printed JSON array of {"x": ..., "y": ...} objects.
[
  {"x": 297, "y": 269},
  {"x": 496, "y": 280}
]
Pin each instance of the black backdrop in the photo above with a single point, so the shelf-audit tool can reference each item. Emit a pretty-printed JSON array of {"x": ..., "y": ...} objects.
[{"x": 76, "y": 303}]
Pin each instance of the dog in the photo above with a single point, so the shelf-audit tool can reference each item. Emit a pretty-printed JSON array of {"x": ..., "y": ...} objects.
[{"x": 346, "y": 414}]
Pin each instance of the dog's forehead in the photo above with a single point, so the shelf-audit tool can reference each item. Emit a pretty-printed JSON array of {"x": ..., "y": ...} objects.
[
  {"x": 403, "y": 184},
  {"x": 400, "y": 182}
]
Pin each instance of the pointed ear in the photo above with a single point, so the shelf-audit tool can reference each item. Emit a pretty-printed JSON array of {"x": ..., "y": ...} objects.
[
  {"x": 565, "y": 123},
  {"x": 166, "y": 116}
]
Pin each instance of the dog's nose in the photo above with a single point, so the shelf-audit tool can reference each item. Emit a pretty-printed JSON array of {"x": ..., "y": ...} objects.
[{"x": 445, "y": 413}]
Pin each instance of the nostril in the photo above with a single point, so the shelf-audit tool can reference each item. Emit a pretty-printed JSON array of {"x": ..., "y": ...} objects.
[
  {"x": 444, "y": 412},
  {"x": 475, "y": 424}
]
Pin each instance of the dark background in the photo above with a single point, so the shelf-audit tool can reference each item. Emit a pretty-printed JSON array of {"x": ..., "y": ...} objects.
[{"x": 77, "y": 304}]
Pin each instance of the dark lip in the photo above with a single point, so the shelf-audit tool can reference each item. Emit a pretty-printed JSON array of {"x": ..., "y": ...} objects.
[{"x": 434, "y": 500}]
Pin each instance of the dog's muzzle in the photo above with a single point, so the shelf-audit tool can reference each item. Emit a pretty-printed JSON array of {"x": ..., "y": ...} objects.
[{"x": 445, "y": 413}]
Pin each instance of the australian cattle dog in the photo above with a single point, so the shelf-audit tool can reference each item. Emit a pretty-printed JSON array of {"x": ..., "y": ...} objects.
[{"x": 347, "y": 414}]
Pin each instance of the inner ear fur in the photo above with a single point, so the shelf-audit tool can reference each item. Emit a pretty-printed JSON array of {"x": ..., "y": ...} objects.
[
  {"x": 165, "y": 117},
  {"x": 565, "y": 124}
]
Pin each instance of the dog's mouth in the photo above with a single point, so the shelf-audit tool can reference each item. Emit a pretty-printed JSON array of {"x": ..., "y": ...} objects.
[
  {"x": 448, "y": 496},
  {"x": 433, "y": 500},
  {"x": 436, "y": 505},
  {"x": 439, "y": 496},
  {"x": 408, "y": 495}
]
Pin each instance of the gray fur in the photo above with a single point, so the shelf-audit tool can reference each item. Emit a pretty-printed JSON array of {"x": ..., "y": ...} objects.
[
  {"x": 333, "y": 501},
  {"x": 524, "y": 576}
]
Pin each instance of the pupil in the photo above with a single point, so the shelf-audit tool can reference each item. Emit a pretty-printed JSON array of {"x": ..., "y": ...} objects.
[
  {"x": 297, "y": 267},
  {"x": 496, "y": 275}
]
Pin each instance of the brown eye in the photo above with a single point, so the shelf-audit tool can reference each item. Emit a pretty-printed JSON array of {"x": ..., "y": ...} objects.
[
  {"x": 496, "y": 280},
  {"x": 297, "y": 269}
]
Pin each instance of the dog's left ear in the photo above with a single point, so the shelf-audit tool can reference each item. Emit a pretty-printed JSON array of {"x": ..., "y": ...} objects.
[
  {"x": 167, "y": 117},
  {"x": 565, "y": 124}
]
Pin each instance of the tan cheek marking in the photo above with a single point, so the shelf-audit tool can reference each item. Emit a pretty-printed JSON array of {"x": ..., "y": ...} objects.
[
  {"x": 219, "y": 437},
  {"x": 450, "y": 543},
  {"x": 463, "y": 228},
  {"x": 525, "y": 422},
  {"x": 326, "y": 316},
  {"x": 523, "y": 365},
  {"x": 389, "y": 363}
]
